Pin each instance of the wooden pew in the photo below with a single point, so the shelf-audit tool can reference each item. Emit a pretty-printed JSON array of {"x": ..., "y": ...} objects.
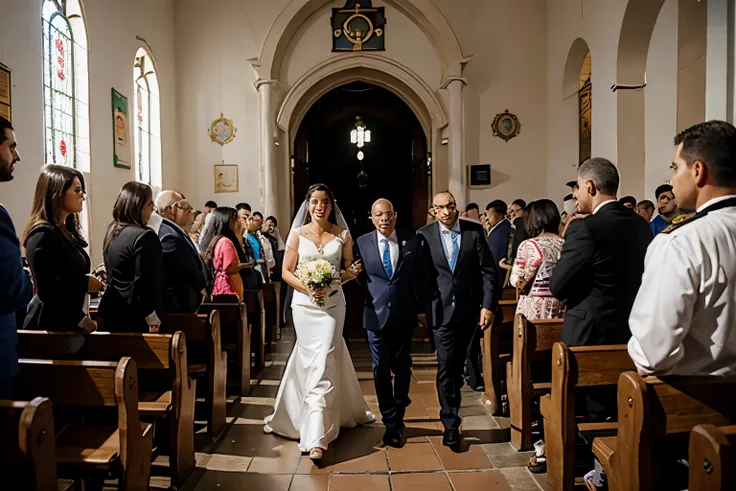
[
  {"x": 166, "y": 393},
  {"x": 712, "y": 458},
  {"x": 575, "y": 368},
  {"x": 652, "y": 413},
  {"x": 118, "y": 446},
  {"x": 533, "y": 343},
  {"x": 493, "y": 361},
  {"x": 206, "y": 359},
  {"x": 27, "y": 453},
  {"x": 271, "y": 307},
  {"x": 255, "y": 304},
  {"x": 234, "y": 331}
]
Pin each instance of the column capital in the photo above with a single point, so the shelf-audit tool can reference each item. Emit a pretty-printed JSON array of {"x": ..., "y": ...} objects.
[
  {"x": 452, "y": 79},
  {"x": 263, "y": 81}
]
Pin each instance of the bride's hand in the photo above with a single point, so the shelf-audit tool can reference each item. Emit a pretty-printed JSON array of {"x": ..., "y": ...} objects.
[
  {"x": 317, "y": 293},
  {"x": 356, "y": 268}
]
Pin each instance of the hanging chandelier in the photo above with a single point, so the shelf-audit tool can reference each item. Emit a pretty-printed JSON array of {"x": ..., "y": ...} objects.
[{"x": 360, "y": 135}]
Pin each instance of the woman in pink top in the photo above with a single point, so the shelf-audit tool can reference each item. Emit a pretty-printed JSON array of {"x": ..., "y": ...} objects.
[
  {"x": 536, "y": 260},
  {"x": 223, "y": 255}
]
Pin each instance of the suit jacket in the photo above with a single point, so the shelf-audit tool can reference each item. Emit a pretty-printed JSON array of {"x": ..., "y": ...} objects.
[
  {"x": 389, "y": 298},
  {"x": 517, "y": 238},
  {"x": 460, "y": 294},
  {"x": 59, "y": 271},
  {"x": 599, "y": 274},
  {"x": 15, "y": 293},
  {"x": 134, "y": 290},
  {"x": 183, "y": 279}
]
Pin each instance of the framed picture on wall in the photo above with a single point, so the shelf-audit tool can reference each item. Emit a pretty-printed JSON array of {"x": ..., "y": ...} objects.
[
  {"x": 5, "y": 87},
  {"x": 226, "y": 178},
  {"x": 479, "y": 176},
  {"x": 120, "y": 130}
]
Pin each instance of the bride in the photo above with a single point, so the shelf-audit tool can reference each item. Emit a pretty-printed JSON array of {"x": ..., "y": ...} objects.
[{"x": 319, "y": 392}]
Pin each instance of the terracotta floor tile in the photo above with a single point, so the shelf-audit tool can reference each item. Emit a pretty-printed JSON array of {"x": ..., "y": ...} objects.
[
  {"x": 482, "y": 422},
  {"x": 325, "y": 466},
  {"x": 475, "y": 481},
  {"x": 413, "y": 457},
  {"x": 417, "y": 431},
  {"x": 363, "y": 482},
  {"x": 520, "y": 479},
  {"x": 220, "y": 481},
  {"x": 353, "y": 461},
  {"x": 470, "y": 457},
  {"x": 310, "y": 483},
  {"x": 504, "y": 455},
  {"x": 285, "y": 462},
  {"x": 420, "y": 482}
]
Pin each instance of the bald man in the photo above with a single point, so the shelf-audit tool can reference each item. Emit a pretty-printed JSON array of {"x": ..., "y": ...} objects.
[
  {"x": 390, "y": 312},
  {"x": 184, "y": 278}
]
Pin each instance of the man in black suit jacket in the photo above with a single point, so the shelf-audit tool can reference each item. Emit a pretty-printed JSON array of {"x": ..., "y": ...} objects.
[
  {"x": 459, "y": 291},
  {"x": 602, "y": 261},
  {"x": 184, "y": 277},
  {"x": 390, "y": 259}
]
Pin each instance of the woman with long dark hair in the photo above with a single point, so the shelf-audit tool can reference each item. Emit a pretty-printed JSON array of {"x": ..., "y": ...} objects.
[
  {"x": 133, "y": 260},
  {"x": 223, "y": 254},
  {"x": 319, "y": 392},
  {"x": 55, "y": 250}
]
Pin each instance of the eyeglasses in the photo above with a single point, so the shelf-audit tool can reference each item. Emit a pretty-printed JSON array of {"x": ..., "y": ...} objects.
[{"x": 449, "y": 206}]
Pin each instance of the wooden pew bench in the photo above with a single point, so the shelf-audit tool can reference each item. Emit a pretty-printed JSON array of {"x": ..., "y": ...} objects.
[
  {"x": 528, "y": 371},
  {"x": 166, "y": 393},
  {"x": 574, "y": 369},
  {"x": 206, "y": 360},
  {"x": 98, "y": 429},
  {"x": 493, "y": 361},
  {"x": 256, "y": 306},
  {"x": 712, "y": 458},
  {"x": 654, "y": 415},
  {"x": 27, "y": 453},
  {"x": 236, "y": 339}
]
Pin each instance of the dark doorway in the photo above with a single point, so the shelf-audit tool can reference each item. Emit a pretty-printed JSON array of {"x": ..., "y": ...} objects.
[{"x": 394, "y": 164}]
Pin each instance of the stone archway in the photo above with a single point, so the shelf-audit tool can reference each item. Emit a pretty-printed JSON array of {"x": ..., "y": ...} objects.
[{"x": 571, "y": 87}]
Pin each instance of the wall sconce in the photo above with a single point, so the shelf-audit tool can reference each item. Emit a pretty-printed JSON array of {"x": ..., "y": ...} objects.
[{"x": 445, "y": 141}]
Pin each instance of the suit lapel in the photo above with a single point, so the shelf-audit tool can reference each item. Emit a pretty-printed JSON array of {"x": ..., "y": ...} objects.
[
  {"x": 402, "y": 251},
  {"x": 466, "y": 244},
  {"x": 438, "y": 251}
]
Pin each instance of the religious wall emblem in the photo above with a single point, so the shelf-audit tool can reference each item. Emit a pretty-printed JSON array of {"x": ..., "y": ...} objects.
[
  {"x": 506, "y": 125},
  {"x": 358, "y": 26},
  {"x": 222, "y": 130}
]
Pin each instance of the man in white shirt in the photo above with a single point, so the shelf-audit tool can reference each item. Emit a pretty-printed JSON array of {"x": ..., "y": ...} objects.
[{"x": 684, "y": 316}]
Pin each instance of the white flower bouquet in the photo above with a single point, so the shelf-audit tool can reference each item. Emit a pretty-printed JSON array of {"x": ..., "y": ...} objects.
[{"x": 317, "y": 273}]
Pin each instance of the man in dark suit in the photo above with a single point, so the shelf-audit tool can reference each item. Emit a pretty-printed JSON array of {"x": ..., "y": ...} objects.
[
  {"x": 519, "y": 235},
  {"x": 15, "y": 286},
  {"x": 390, "y": 259},
  {"x": 458, "y": 288},
  {"x": 602, "y": 261},
  {"x": 184, "y": 278},
  {"x": 499, "y": 232}
]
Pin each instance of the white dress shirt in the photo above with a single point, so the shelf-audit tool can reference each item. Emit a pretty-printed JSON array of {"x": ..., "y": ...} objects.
[
  {"x": 393, "y": 243},
  {"x": 447, "y": 238},
  {"x": 684, "y": 315},
  {"x": 597, "y": 208}
]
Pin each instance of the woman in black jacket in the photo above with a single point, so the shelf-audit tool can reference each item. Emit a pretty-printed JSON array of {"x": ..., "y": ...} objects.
[
  {"x": 133, "y": 260},
  {"x": 55, "y": 250}
]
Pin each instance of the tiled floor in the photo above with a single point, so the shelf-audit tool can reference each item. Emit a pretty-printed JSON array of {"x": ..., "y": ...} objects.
[{"x": 246, "y": 458}]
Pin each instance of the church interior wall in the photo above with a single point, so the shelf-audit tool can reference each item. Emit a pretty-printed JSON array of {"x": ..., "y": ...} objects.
[{"x": 112, "y": 27}]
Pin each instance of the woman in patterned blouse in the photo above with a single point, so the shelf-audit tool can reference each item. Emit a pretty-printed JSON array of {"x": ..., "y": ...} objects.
[{"x": 536, "y": 260}]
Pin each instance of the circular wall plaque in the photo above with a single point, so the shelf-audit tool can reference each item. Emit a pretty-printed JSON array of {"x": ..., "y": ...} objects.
[
  {"x": 506, "y": 125},
  {"x": 222, "y": 130}
]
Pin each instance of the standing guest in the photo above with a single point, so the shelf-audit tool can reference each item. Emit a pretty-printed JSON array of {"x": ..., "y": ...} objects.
[
  {"x": 602, "y": 260},
  {"x": 645, "y": 209},
  {"x": 628, "y": 201},
  {"x": 266, "y": 249},
  {"x": 536, "y": 260},
  {"x": 132, "y": 301},
  {"x": 55, "y": 250},
  {"x": 15, "y": 286},
  {"x": 390, "y": 311},
  {"x": 252, "y": 279},
  {"x": 472, "y": 212},
  {"x": 499, "y": 230},
  {"x": 223, "y": 254},
  {"x": 254, "y": 246},
  {"x": 183, "y": 279},
  {"x": 684, "y": 316},
  {"x": 516, "y": 215},
  {"x": 667, "y": 207},
  {"x": 458, "y": 290},
  {"x": 431, "y": 216},
  {"x": 268, "y": 232},
  {"x": 201, "y": 226}
]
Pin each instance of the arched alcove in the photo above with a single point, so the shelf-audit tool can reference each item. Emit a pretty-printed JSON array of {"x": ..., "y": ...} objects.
[{"x": 577, "y": 94}]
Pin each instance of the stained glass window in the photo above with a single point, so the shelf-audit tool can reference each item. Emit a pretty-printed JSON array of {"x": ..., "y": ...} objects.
[
  {"x": 147, "y": 119},
  {"x": 65, "y": 84}
]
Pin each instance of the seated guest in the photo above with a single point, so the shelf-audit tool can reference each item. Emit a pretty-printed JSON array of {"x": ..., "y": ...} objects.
[
  {"x": 133, "y": 258},
  {"x": 15, "y": 286},
  {"x": 684, "y": 316},
  {"x": 256, "y": 225},
  {"x": 55, "y": 250},
  {"x": 201, "y": 226},
  {"x": 628, "y": 201},
  {"x": 516, "y": 216},
  {"x": 254, "y": 251},
  {"x": 223, "y": 254},
  {"x": 498, "y": 230},
  {"x": 667, "y": 207},
  {"x": 645, "y": 209},
  {"x": 184, "y": 279},
  {"x": 472, "y": 212},
  {"x": 602, "y": 260},
  {"x": 536, "y": 260}
]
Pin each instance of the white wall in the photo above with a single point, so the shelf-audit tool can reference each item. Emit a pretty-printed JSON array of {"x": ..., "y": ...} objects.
[{"x": 112, "y": 27}]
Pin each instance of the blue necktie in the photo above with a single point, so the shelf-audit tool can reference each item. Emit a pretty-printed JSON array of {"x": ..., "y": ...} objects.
[
  {"x": 387, "y": 258},
  {"x": 454, "y": 249}
]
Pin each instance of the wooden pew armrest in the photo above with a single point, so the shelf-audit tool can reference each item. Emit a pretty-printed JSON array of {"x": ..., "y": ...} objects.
[
  {"x": 603, "y": 449},
  {"x": 605, "y": 426},
  {"x": 544, "y": 403},
  {"x": 154, "y": 404}
]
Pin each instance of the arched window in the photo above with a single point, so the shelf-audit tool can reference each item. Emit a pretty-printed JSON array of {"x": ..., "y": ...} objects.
[
  {"x": 65, "y": 84},
  {"x": 147, "y": 119},
  {"x": 585, "y": 93}
]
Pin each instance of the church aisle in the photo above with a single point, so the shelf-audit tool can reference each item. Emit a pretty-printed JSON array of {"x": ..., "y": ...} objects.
[{"x": 246, "y": 458}]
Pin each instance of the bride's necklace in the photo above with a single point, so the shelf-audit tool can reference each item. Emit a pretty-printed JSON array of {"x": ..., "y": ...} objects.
[{"x": 315, "y": 237}]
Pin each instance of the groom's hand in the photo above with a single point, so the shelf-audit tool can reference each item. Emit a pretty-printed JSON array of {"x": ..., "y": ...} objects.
[{"x": 485, "y": 319}]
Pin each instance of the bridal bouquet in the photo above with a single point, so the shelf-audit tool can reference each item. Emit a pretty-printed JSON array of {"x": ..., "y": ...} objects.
[{"x": 316, "y": 273}]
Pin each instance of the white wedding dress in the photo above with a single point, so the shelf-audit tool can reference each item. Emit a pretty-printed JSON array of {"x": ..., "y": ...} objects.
[{"x": 319, "y": 392}]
